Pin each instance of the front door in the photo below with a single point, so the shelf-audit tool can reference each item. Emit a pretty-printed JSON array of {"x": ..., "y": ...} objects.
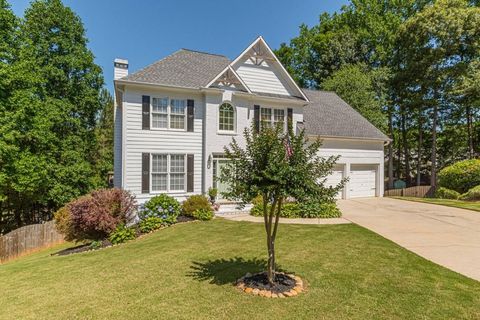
[{"x": 217, "y": 169}]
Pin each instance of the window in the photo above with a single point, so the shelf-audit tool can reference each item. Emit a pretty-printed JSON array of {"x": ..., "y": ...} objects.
[
  {"x": 272, "y": 117},
  {"x": 159, "y": 172},
  {"x": 226, "y": 117},
  {"x": 177, "y": 172},
  {"x": 167, "y": 115},
  {"x": 168, "y": 172},
  {"x": 159, "y": 112},
  {"x": 279, "y": 117},
  {"x": 266, "y": 116},
  {"x": 177, "y": 115}
]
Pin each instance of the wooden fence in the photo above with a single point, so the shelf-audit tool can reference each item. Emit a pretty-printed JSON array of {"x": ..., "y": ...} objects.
[
  {"x": 28, "y": 239},
  {"x": 417, "y": 192}
]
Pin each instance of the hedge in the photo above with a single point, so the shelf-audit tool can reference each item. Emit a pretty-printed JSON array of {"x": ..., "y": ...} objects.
[{"x": 460, "y": 176}]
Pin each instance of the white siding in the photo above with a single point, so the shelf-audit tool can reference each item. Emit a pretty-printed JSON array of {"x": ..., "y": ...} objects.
[
  {"x": 117, "y": 143},
  {"x": 263, "y": 78},
  {"x": 138, "y": 141}
]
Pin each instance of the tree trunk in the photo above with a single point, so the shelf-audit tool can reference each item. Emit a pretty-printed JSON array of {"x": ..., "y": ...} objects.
[
  {"x": 406, "y": 152},
  {"x": 390, "y": 150},
  {"x": 270, "y": 238},
  {"x": 471, "y": 151},
  {"x": 419, "y": 150},
  {"x": 433, "y": 176}
]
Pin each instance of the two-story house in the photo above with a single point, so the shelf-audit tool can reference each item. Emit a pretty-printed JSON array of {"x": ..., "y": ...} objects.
[{"x": 174, "y": 117}]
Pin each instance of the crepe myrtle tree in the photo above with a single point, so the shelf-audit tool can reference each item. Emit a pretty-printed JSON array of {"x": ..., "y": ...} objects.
[{"x": 278, "y": 166}]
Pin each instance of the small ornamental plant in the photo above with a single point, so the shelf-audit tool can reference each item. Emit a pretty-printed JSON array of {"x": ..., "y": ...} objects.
[
  {"x": 277, "y": 167},
  {"x": 212, "y": 193},
  {"x": 162, "y": 206},
  {"x": 150, "y": 224},
  {"x": 122, "y": 234}
]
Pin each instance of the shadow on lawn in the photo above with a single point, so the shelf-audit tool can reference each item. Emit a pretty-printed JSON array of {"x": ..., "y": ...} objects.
[{"x": 223, "y": 271}]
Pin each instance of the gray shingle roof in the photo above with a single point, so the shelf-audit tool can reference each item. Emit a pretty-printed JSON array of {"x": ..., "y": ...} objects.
[
  {"x": 196, "y": 68},
  {"x": 329, "y": 116}
]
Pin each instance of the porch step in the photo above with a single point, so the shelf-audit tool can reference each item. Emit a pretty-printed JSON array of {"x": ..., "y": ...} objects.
[{"x": 232, "y": 208}]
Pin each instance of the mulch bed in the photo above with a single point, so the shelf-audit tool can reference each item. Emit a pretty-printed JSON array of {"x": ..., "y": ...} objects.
[
  {"x": 282, "y": 282},
  {"x": 285, "y": 285},
  {"x": 106, "y": 243}
]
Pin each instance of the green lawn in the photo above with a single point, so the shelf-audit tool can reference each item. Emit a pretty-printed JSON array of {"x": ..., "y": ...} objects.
[
  {"x": 186, "y": 272},
  {"x": 470, "y": 205}
]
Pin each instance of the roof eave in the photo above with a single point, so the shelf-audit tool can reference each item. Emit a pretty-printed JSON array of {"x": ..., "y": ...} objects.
[
  {"x": 269, "y": 99},
  {"x": 151, "y": 84},
  {"x": 386, "y": 139}
]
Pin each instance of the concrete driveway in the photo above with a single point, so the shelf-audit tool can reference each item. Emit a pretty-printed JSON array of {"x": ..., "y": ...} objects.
[{"x": 447, "y": 236}]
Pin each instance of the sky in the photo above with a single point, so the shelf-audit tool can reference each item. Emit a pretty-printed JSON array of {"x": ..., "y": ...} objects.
[{"x": 144, "y": 31}]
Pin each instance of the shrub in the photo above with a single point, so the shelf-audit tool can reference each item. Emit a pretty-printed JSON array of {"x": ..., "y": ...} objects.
[
  {"x": 473, "y": 194},
  {"x": 194, "y": 203},
  {"x": 162, "y": 206},
  {"x": 63, "y": 223},
  {"x": 150, "y": 224},
  {"x": 315, "y": 209},
  {"x": 460, "y": 176},
  {"x": 98, "y": 214},
  {"x": 307, "y": 209},
  {"x": 122, "y": 234},
  {"x": 444, "y": 193},
  {"x": 203, "y": 214}
]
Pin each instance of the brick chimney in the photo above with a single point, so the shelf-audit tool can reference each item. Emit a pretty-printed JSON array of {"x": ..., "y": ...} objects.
[{"x": 120, "y": 69}]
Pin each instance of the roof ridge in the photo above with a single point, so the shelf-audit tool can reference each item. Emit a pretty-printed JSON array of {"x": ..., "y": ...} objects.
[
  {"x": 319, "y": 90},
  {"x": 204, "y": 52}
]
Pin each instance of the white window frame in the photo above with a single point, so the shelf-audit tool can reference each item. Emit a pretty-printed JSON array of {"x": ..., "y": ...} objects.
[
  {"x": 272, "y": 119},
  {"x": 169, "y": 113},
  {"x": 234, "y": 119},
  {"x": 152, "y": 112},
  {"x": 152, "y": 173},
  {"x": 168, "y": 190}
]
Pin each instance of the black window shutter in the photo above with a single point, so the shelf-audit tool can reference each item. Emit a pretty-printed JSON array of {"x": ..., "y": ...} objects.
[
  {"x": 145, "y": 112},
  {"x": 190, "y": 114},
  {"x": 256, "y": 117},
  {"x": 190, "y": 169},
  {"x": 289, "y": 117},
  {"x": 145, "y": 172}
]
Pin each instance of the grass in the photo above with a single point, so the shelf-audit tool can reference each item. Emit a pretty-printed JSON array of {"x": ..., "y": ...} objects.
[
  {"x": 186, "y": 272},
  {"x": 470, "y": 205}
]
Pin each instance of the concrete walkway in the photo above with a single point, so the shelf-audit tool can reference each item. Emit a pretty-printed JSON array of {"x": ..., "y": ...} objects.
[
  {"x": 247, "y": 217},
  {"x": 447, "y": 236}
]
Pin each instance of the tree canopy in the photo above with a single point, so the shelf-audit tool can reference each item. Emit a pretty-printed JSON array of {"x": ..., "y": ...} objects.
[
  {"x": 411, "y": 62},
  {"x": 48, "y": 120}
]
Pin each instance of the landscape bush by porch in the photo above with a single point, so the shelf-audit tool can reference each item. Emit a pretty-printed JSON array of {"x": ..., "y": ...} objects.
[
  {"x": 162, "y": 206},
  {"x": 472, "y": 194},
  {"x": 308, "y": 209},
  {"x": 96, "y": 215},
  {"x": 460, "y": 176},
  {"x": 203, "y": 214},
  {"x": 444, "y": 193},
  {"x": 194, "y": 203}
]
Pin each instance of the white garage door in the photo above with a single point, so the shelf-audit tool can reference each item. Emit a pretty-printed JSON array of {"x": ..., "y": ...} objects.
[
  {"x": 335, "y": 178},
  {"x": 362, "y": 181}
]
